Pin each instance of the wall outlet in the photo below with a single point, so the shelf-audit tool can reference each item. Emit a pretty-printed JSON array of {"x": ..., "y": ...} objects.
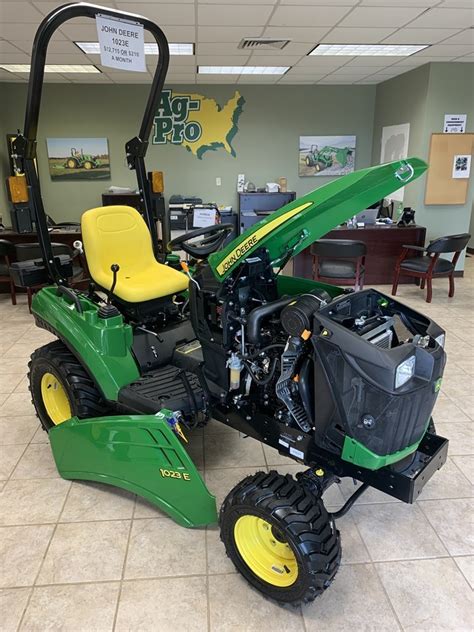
[{"x": 218, "y": 182}]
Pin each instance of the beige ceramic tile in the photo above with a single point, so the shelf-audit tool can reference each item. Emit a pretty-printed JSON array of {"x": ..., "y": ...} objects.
[
  {"x": 85, "y": 552},
  {"x": 92, "y": 501},
  {"x": 232, "y": 450},
  {"x": 17, "y": 404},
  {"x": 20, "y": 350},
  {"x": 167, "y": 605},
  {"x": 12, "y": 605},
  {"x": 466, "y": 404},
  {"x": 8, "y": 381},
  {"x": 215, "y": 427},
  {"x": 353, "y": 548},
  {"x": 461, "y": 437},
  {"x": 342, "y": 607},
  {"x": 23, "y": 386},
  {"x": 448, "y": 482},
  {"x": 40, "y": 436},
  {"x": 32, "y": 502},
  {"x": 217, "y": 560},
  {"x": 274, "y": 458},
  {"x": 235, "y": 605},
  {"x": 160, "y": 548},
  {"x": 14, "y": 365},
  {"x": 79, "y": 608},
  {"x": 396, "y": 531},
  {"x": 9, "y": 457},
  {"x": 37, "y": 462},
  {"x": 144, "y": 509},
  {"x": 220, "y": 482},
  {"x": 429, "y": 595},
  {"x": 17, "y": 429},
  {"x": 453, "y": 522},
  {"x": 466, "y": 564},
  {"x": 446, "y": 411},
  {"x": 21, "y": 552},
  {"x": 466, "y": 465},
  {"x": 369, "y": 497}
]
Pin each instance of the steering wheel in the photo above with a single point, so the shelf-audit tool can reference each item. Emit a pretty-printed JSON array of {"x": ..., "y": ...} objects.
[{"x": 213, "y": 238}]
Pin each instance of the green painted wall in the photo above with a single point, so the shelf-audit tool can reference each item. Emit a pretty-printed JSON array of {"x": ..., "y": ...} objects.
[
  {"x": 422, "y": 97},
  {"x": 266, "y": 143}
]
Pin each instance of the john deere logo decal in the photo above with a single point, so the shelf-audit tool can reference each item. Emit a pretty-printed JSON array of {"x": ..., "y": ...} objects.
[
  {"x": 252, "y": 240},
  {"x": 197, "y": 122}
]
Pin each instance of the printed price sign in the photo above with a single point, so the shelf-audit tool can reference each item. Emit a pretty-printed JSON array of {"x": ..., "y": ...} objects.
[{"x": 122, "y": 44}]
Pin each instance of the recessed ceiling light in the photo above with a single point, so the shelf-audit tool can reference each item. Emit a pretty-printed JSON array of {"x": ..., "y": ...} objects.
[
  {"x": 151, "y": 48},
  {"x": 242, "y": 70},
  {"x": 366, "y": 50},
  {"x": 75, "y": 68}
]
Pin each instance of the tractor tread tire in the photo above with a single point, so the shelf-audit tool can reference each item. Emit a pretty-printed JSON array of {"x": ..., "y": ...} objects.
[
  {"x": 302, "y": 518},
  {"x": 84, "y": 397}
]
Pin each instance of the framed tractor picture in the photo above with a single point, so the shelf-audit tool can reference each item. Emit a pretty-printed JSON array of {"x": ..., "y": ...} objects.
[
  {"x": 78, "y": 158},
  {"x": 326, "y": 155}
]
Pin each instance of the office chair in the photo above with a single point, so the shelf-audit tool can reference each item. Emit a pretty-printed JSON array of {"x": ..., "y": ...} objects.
[{"x": 339, "y": 261}]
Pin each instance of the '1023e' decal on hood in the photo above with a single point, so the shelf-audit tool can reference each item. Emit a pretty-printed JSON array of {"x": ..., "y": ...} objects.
[{"x": 253, "y": 239}]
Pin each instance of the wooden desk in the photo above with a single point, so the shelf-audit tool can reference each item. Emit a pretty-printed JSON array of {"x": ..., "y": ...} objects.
[{"x": 384, "y": 244}]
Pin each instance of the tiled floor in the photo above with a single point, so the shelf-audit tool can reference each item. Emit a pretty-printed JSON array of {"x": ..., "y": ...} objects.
[{"x": 81, "y": 557}]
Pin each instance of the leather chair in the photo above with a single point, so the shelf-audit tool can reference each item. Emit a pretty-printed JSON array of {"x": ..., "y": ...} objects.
[
  {"x": 6, "y": 251},
  {"x": 431, "y": 265},
  {"x": 339, "y": 261},
  {"x": 27, "y": 252}
]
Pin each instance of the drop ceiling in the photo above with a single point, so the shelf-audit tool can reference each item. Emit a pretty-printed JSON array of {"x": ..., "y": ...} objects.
[{"x": 217, "y": 26}]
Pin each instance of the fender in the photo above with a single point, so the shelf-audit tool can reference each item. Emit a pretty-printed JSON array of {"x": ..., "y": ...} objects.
[{"x": 139, "y": 453}]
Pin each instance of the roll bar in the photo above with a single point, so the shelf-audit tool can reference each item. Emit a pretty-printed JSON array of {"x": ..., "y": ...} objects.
[{"x": 24, "y": 146}]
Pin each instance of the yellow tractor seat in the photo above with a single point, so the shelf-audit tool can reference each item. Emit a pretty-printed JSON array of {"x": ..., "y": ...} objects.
[{"x": 118, "y": 234}]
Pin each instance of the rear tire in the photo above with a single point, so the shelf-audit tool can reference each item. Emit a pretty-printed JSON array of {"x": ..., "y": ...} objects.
[
  {"x": 272, "y": 510},
  {"x": 54, "y": 366}
]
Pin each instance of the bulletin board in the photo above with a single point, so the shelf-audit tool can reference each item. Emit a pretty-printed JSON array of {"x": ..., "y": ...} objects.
[{"x": 441, "y": 187}]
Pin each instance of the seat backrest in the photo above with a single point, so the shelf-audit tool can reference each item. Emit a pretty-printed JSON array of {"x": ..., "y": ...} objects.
[
  {"x": 339, "y": 248},
  {"x": 115, "y": 234},
  {"x": 25, "y": 252},
  {"x": 451, "y": 243}
]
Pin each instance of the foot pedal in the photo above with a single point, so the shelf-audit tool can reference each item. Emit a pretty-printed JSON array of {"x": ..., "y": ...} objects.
[{"x": 167, "y": 387}]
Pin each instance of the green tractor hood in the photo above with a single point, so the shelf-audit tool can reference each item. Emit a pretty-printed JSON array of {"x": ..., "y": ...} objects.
[{"x": 297, "y": 225}]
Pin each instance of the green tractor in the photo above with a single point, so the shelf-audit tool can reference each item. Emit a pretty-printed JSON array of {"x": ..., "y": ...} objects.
[
  {"x": 326, "y": 157},
  {"x": 80, "y": 160},
  {"x": 341, "y": 382}
]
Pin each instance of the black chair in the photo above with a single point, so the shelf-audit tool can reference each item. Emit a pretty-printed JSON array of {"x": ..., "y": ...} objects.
[
  {"x": 6, "y": 251},
  {"x": 339, "y": 261},
  {"x": 431, "y": 265},
  {"x": 27, "y": 252}
]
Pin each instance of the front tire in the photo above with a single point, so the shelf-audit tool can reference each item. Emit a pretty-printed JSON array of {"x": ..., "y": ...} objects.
[
  {"x": 60, "y": 387},
  {"x": 280, "y": 538}
]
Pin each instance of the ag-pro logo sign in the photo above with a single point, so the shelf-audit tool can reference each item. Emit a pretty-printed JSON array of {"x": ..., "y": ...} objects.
[
  {"x": 196, "y": 122},
  {"x": 171, "y": 124}
]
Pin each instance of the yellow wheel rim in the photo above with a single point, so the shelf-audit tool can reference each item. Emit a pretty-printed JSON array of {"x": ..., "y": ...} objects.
[
  {"x": 265, "y": 551},
  {"x": 55, "y": 399},
  {"x": 71, "y": 164},
  {"x": 88, "y": 165}
]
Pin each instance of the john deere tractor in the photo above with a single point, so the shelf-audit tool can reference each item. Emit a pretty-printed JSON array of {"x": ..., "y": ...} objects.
[
  {"x": 323, "y": 158},
  {"x": 79, "y": 160},
  {"x": 341, "y": 382}
]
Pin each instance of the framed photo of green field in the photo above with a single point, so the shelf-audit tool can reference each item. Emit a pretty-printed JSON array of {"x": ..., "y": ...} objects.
[
  {"x": 326, "y": 155},
  {"x": 78, "y": 158}
]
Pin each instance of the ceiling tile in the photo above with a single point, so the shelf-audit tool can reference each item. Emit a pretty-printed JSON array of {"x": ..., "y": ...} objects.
[
  {"x": 217, "y": 78},
  {"x": 456, "y": 4},
  {"x": 296, "y": 49},
  {"x": 54, "y": 78},
  {"x": 263, "y": 79},
  {"x": 400, "y": 3},
  {"x": 48, "y": 6},
  {"x": 414, "y": 61},
  {"x": 367, "y": 82},
  {"x": 7, "y": 47},
  {"x": 87, "y": 78},
  {"x": 209, "y": 48},
  {"x": 9, "y": 76},
  {"x": 324, "y": 61},
  {"x": 162, "y": 14},
  {"x": 342, "y": 35},
  {"x": 237, "y": 15},
  {"x": 296, "y": 81},
  {"x": 14, "y": 58},
  {"x": 16, "y": 31},
  {"x": 462, "y": 37},
  {"x": 380, "y": 16},
  {"x": 222, "y": 60},
  {"x": 466, "y": 58},
  {"x": 20, "y": 11},
  {"x": 272, "y": 60},
  {"x": 302, "y": 16},
  {"x": 226, "y": 34},
  {"x": 444, "y": 50},
  {"x": 336, "y": 81},
  {"x": 177, "y": 33},
  {"x": 344, "y": 3},
  {"x": 382, "y": 61},
  {"x": 61, "y": 58},
  {"x": 419, "y": 36},
  {"x": 444, "y": 18},
  {"x": 309, "y": 34},
  {"x": 79, "y": 32},
  {"x": 54, "y": 46},
  {"x": 272, "y": 2}
]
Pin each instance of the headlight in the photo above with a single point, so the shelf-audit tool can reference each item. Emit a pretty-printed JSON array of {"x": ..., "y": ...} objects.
[
  {"x": 441, "y": 339},
  {"x": 405, "y": 371}
]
